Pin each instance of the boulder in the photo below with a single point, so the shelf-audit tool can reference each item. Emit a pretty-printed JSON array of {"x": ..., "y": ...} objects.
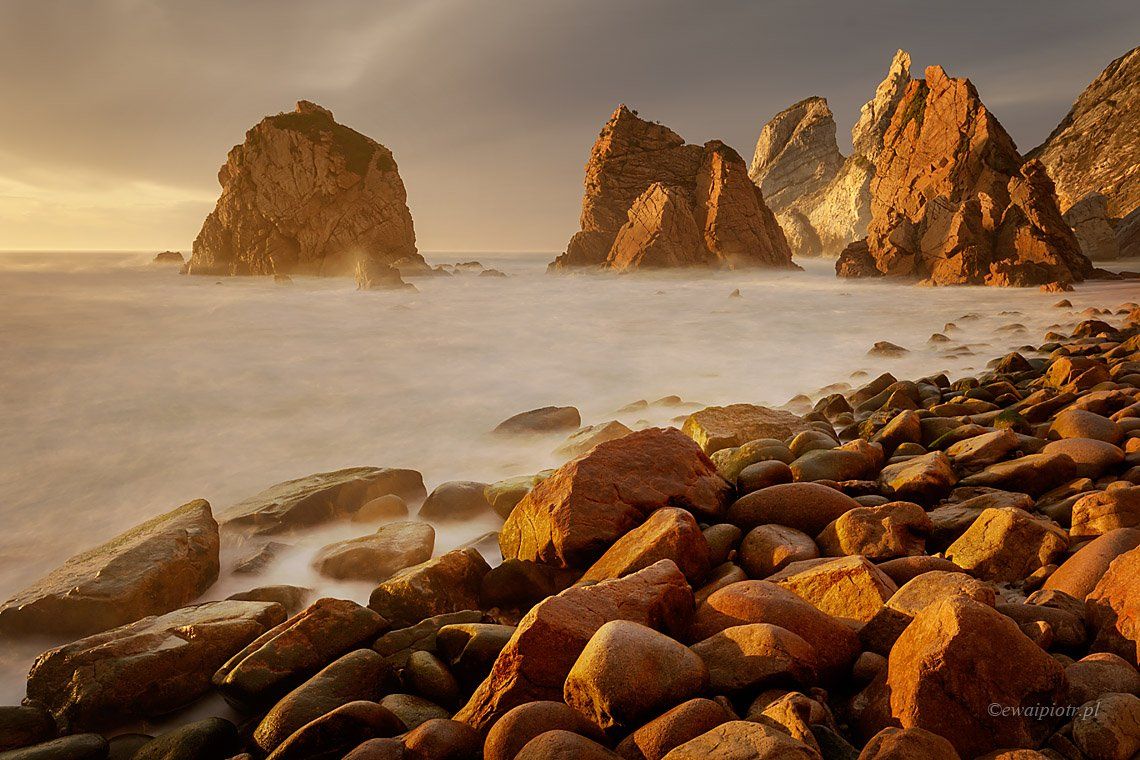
[
  {"x": 331, "y": 735},
  {"x": 360, "y": 675},
  {"x": 548, "y": 640},
  {"x": 76, "y": 747},
  {"x": 720, "y": 427},
  {"x": 743, "y": 740},
  {"x": 1109, "y": 728},
  {"x": 1105, "y": 511},
  {"x": 1099, "y": 674},
  {"x": 769, "y": 548},
  {"x": 146, "y": 668},
  {"x": 806, "y": 507},
  {"x": 586, "y": 438},
  {"x": 572, "y": 517},
  {"x": 957, "y": 659},
  {"x": 849, "y": 589},
  {"x": 296, "y": 649},
  {"x": 398, "y": 645},
  {"x": 456, "y": 500},
  {"x": 895, "y": 529},
  {"x": 169, "y": 257},
  {"x": 442, "y": 739},
  {"x": 982, "y": 450},
  {"x": 905, "y": 743},
  {"x": 412, "y": 710},
  {"x": 1033, "y": 474},
  {"x": 923, "y": 478},
  {"x": 1096, "y": 144},
  {"x": 548, "y": 419},
  {"x": 151, "y": 569},
  {"x": 211, "y": 737},
  {"x": 617, "y": 683},
  {"x": 836, "y": 644},
  {"x": 378, "y": 556},
  {"x": 23, "y": 726},
  {"x": 291, "y": 598},
  {"x": 1114, "y": 608},
  {"x": 686, "y": 721},
  {"x": 563, "y": 745},
  {"x": 1092, "y": 458},
  {"x": 669, "y": 533},
  {"x": 1007, "y": 544},
  {"x": 319, "y": 498},
  {"x": 519, "y": 725},
  {"x": 1078, "y": 423},
  {"x": 756, "y": 655},
  {"x": 304, "y": 195},
  {"x": 881, "y": 632},
  {"x": 952, "y": 202},
  {"x": 735, "y": 227},
  {"x": 1079, "y": 574},
  {"x": 376, "y": 275},
  {"x": 448, "y": 583}
]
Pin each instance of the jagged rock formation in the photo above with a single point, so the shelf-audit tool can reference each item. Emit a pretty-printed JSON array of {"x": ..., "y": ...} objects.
[
  {"x": 953, "y": 202},
  {"x": 1096, "y": 147},
  {"x": 821, "y": 198},
  {"x": 1094, "y": 228},
  {"x": 305, "y": 195},
  {"x": 644, "y": 185}
]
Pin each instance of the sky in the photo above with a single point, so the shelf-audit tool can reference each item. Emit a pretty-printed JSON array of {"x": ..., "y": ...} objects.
[{"x": 118, "y": 113}]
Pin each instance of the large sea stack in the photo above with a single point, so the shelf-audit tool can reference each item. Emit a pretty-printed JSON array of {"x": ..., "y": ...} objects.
[
  {"x": 954, "y": 203},
  {"x": 821, "y": 198},
  {"x": 654, "y": 201},
  {"x": 1096, "y": 147},
  {"x": 306, "y": 195}
]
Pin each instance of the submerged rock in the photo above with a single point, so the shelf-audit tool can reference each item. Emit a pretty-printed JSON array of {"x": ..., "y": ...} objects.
[
  {"x": 305, "y": 195},
  {"x": 319, "y": 498},
  {"x": 151, "y": 569}
]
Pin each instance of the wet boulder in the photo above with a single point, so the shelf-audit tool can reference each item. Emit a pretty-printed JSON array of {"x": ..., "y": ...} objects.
[
  {"x": 146, "y": 668},
  {"x": 449, "y": 583},
  {"x": 719, "y": 427},
  {"x": 377, "y": 556},
  {"x": 1008, "y": 544},
  {"x": 895, "y": 529},
  {"x": 572, "y": 517},
  {"x": 153, "y": 568},
  {"x": 669, "y": 533}
]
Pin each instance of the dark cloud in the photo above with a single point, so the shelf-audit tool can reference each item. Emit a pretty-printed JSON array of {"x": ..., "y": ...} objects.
[{"x": 489, "y": 105}]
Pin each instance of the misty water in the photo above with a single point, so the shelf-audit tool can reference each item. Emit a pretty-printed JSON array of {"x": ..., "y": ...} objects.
[{"x": 128, "y": 389}]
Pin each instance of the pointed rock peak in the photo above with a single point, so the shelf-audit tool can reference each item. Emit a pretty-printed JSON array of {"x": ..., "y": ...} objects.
[
  {"x": 875, "y": 116},
  {"x": 796, "y": 155},
  {"x": 309, "y": 107}
]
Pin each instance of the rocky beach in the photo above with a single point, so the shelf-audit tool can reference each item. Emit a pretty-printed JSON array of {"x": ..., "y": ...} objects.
[{"x": 829, "y": 455}]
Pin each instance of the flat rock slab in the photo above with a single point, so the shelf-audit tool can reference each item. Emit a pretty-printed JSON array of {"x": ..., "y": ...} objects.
[
  {"x": 719, "y": 427},
  {"x": 147, "y": 668},
  {"x": 319, "y": 498},
  {"x": 149, "y": 570}
]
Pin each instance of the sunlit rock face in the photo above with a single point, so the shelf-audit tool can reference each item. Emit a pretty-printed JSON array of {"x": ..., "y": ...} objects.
[
  {"x": 305, "y": 195},
  {"x": 954, "y": 203},
  {"x": 1096, "y": 147},
  {"x": 821, "y": 198},
  {"x": 643, "y": 183}
]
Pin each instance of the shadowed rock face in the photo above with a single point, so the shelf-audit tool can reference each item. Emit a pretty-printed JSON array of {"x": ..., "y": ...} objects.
[
  {"x": 822, "y": 199},
  {"x": 953, "y": 204},
  {"x": 735, "y": 227},
  {"x": 1096, "y": 147},
  {"x": 305, "y": 195}
]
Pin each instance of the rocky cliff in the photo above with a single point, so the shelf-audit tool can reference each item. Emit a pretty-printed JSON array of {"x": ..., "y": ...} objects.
[
  {"x": 643, "y": 186},
  {"x": 305, "y": 195},
  {"x": 1096, "y": 147},
  {"x": 821, "y": 198},
  {"x": 954, "y": 203}
]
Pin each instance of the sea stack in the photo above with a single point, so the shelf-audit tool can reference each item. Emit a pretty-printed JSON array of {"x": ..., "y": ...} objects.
[
  {"x": 1096, "y": 147},
  {"x": 821, "y": 198},
  {"x": 954, "y": 203},
  {"x": 654, "y": 201},
  {"x": 306, "y": 195}
]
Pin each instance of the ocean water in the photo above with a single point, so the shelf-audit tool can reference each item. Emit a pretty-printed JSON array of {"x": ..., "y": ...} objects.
[{"x": 127, "y": 389}]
